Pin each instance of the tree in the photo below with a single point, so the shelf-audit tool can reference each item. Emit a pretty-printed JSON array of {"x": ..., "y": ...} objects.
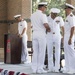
[
  {"x": 34, "y": 5},
  {"x": 51, "y": 4}
]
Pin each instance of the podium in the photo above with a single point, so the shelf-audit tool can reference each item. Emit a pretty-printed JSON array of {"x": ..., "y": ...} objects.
[{"x": 12, "y": 49}]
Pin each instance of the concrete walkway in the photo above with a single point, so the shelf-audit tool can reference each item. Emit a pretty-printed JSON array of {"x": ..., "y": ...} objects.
[{"x": 24, "y": 68}]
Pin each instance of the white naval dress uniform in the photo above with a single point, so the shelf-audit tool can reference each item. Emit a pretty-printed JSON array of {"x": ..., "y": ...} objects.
[
  {"x": 54, "y": 39},
  {"x": 39, "y": 39},
  {"x": 69, "y": 49},
  {"x": 21, "y": 26}
]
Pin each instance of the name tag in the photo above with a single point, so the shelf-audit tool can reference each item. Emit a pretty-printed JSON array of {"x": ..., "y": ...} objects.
[
  {"x": 66, "y": 20},
  {"x": 57, "y": 21}
]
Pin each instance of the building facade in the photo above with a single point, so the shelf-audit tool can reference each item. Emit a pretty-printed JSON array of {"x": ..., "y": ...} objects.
[{"x": 9, "y": 8}]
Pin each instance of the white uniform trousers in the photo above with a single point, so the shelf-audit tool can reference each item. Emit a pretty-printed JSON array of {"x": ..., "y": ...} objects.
[
  {"x": 53, "y": 40},
  {"x": 69, "y": 54},
  {"x": 24, "y": 54},
  {"x": 39, "y": 49}
]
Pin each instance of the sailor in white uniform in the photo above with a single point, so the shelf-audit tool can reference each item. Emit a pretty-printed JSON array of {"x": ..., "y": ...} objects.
[
  {"x": 22, "y": 30},
  {"x": 69, "y": 39},
  {"x": 54, "y": 39},
  {"x": 39, "y": 25}
]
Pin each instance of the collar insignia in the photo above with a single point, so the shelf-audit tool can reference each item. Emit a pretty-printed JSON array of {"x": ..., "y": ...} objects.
[
  {"x": 71, "y": 15},
  {"x": 66, "y": 20},
  {"x": 57, "y": 21}
]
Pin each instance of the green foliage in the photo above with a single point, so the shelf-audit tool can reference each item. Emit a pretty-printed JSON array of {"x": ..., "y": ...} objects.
[{"x": 51, "y": 4}]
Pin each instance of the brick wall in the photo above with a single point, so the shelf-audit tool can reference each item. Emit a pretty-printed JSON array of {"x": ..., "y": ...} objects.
[
  {"x": 71, "y": 2},
  {"x": 22, "y": 7},
  {"x": 26, "y": 13},
  {"x": 3, "y": 9},
  {"x": 68, "y": 1},
  {"x": 3, "y": 16},
  {"x": 9, "y": 8},
  {"x": 13, "y": 8},
  {"x": 1, "y": 54}
]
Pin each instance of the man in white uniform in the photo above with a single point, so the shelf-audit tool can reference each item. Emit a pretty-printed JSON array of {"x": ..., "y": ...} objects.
[
  {"x": 54, "y": 39},
  {"x": 22, "y": 29},
  {"x": 69, "y": 39},
  {"x": 39, "y": 26}
]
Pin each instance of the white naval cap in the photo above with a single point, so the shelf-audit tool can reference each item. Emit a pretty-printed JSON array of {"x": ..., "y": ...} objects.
[
  {"x": 42, "y": 3},
  {"x": 55, "y": 10},
  {"x": 69, "y": 6},
  {"x": 16, "y": 16}
]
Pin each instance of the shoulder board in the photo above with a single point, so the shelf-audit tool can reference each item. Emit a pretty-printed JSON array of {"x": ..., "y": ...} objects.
[{"x": 71, "y": 15}]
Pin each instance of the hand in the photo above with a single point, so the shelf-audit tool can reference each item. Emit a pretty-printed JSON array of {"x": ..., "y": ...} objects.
[
  {"x": 20, "y": 36},
  {"x": 48, "y": 30},
  {"x": 69, "y": 41}
]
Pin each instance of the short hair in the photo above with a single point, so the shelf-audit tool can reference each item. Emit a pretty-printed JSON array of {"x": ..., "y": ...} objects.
[
  {"x": 39, "y": 6},
  {"x": 68, "y": 7}
]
